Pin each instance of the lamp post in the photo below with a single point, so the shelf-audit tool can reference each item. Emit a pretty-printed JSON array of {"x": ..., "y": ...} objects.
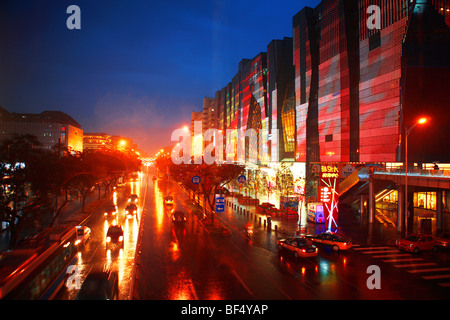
[{"x": 407, "y": 132}]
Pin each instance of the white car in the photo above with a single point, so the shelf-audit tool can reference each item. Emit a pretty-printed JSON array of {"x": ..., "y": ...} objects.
[{"x": 83, "y": 235}]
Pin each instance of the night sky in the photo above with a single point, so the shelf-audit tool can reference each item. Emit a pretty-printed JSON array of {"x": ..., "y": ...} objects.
[{"x": 136, "y": 68}]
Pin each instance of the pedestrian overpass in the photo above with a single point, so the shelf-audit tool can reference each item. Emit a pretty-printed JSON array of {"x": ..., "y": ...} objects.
[{"x": 366, "y": 182}]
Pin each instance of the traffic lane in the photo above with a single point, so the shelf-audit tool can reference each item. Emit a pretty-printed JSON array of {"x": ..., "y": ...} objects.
[
  {"x": 330, "y": 275},
  {"x": 159, "y": 274},
  {"x": 252, "y": 270},
  {"x": 183, "y": 263},
  {"x": 249, "y": 272},
  {"x": 94, "y": 256},
  {"x": 233, "y": 270}
]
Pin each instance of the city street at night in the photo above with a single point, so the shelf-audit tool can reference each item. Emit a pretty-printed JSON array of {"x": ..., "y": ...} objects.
[
  {"x": 193, "y": 264},
  {"x": 225, "y": 158},
  {"x": 188, "y": 263}
]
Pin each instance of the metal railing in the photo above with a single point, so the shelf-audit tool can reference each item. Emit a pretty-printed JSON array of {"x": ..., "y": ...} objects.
[{"x": 413, "y": 172}]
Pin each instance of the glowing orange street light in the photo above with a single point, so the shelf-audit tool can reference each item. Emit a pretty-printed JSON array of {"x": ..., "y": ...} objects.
[{"x": 421, "y": 120}]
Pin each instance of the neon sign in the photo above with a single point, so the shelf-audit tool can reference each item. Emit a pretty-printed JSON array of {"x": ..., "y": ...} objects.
[{"x": 328, "y": 193}]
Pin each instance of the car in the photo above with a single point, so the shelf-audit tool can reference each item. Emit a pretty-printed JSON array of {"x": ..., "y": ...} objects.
[
  {"x": 121, "y": 184},
  {"x": 114, "y": 237},
  {"x": 417, "y": 242},
  {"x": 100, "y": 285},
  {"x": 133, "y": 198},
  {"x": 178, "y": 217},
  {"x": 168, "y": 200},
  {"x": 131, "y": 210},
  {"x": 443, "y": 241},
  {"x": 83, "y": 235},
  {"x": 110, "y": 211},
  {"x": 300, "y": 246},
  {"x": 336, "y": 241}
]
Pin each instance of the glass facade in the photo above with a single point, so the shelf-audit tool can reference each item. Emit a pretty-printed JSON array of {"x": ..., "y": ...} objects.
[
  {"x": 339, "y": 91},
  {"x": 356, "y": 87}
]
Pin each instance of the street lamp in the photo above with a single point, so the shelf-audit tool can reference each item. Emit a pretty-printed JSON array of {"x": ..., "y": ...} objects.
[{"x": 422, "y": 120}]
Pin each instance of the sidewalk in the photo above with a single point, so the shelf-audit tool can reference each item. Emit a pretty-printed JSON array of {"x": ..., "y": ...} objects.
[{"x": 374, "y": 234}]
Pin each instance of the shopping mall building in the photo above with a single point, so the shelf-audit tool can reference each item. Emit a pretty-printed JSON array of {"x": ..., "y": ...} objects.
[{"x": 344, "y": 89}]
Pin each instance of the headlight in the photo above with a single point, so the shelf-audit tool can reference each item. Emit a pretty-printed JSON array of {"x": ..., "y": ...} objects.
[
  {"x": 106, "y": 213},
  {"x": 126, "y": 211},
  {"x": 108, "y": 239},
  {"x": 411, "y": 245},
  {"x": 121, "y": 238}
]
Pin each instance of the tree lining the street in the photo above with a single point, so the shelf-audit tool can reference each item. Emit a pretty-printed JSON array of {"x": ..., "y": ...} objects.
[
  {"x": 213, "y": 177},
  {"x": 33, "y": 179}
]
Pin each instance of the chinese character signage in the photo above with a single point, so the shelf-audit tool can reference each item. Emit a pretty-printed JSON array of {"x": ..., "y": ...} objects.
[
  {"x": 220, "y": 203},
  {"x": 328, "y": 193},
  {"x": 325, "y": 194}
]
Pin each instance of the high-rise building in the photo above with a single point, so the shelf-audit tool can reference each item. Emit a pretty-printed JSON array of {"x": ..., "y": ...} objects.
[
  {"x": 358, "y": 87},
  {"x": 281, "y": 100}
]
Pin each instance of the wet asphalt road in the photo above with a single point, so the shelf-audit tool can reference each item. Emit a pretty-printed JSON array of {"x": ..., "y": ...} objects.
[
  {"x": 162, "y": 261},
  {"x": 189, "y": 263}
]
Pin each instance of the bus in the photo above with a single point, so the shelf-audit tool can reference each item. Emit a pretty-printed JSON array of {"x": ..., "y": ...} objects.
[{"x": 38, "y": 272}]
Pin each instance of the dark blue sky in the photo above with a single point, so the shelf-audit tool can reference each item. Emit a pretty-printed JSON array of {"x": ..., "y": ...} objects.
[{"x": 136, "y": 68}]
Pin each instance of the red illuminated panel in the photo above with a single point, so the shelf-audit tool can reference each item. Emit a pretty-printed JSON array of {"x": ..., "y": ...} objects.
[{"x": 379, "y": 94}]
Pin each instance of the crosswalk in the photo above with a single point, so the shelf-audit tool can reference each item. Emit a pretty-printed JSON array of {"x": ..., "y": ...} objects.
[{"x": 410, "y": 263}]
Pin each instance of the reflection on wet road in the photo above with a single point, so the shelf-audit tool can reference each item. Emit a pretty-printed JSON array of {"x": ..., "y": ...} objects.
[
  {"x": 186, "y": 262},
  {"x": 94, "y": 256}
]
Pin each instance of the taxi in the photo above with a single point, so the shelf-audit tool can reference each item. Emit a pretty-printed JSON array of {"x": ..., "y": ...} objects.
[
  {"x": 168, "y": 200},
  {"x": 333, "y": 240},
  {"x": 300, "y": 246}
]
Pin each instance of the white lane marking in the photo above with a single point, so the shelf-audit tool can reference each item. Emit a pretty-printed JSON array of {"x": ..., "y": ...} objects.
[
  {"x": 242, "y": 282},
  {"x": 414, "y": 265},
  {"x": 429, "y": 270}
]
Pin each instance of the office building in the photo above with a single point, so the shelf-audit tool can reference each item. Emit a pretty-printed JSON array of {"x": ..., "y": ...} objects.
[
  {"x": 50, "y": 127},
  {"x": 96, "y": 141}
]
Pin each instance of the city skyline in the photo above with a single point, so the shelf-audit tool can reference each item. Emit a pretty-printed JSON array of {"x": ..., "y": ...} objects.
[{"x": 135, "y": 71}]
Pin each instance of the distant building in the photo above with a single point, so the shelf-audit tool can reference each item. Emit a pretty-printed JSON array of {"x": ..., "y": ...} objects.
[
  {"x": 123, "y": 143},
  {"x": 97, "y": 141},
  {"x": 209, "y": 114},
  {"x": 50, "y": 127}
]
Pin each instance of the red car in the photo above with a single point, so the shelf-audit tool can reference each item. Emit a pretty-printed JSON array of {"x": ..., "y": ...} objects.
[{"x": 417, "y": 242}]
